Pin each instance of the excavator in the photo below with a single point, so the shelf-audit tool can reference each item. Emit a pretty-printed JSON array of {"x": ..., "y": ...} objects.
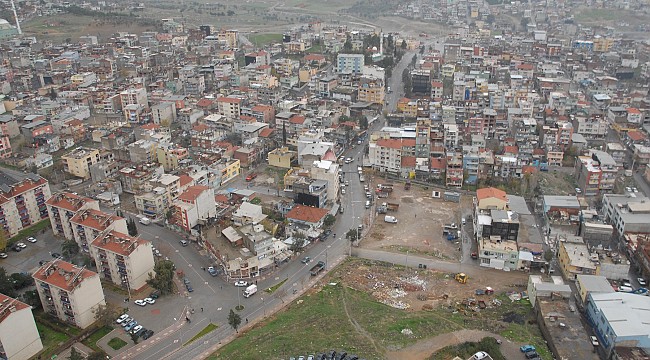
[{"x": 461, "y": 278}]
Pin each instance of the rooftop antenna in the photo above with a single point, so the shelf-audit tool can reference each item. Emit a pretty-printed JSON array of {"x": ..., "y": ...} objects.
[{"x": 13, "y": 7}]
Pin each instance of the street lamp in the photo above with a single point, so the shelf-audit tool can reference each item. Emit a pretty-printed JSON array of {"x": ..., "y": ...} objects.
[{"x": 406, "y": 262}]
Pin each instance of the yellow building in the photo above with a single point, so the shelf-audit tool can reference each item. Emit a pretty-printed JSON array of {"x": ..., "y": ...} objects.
[
  {"x": 306, "y": 73},
  {"x": 281, "y": 157},
  {"x": 169, "y": 157},
  {"x": 575, "y": 259},
  {"x": 602, "y": 44},
  {"x": 491, "y": 199},
  {"x": 371, "y": 92},
  {"x": 78, "y": 161},
  {"x": 230, "y": 170}
]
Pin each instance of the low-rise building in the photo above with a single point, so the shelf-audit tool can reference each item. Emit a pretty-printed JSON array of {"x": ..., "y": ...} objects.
[
  {"x": 248, "y": 213},
  {"x": 69, "y": 292},
  {"x": 19, "y": 338},
  {"x": 498, "y": 254},
  {"x": 123, "y": 260},
  {"x": 281, "y": 157},
  {"x": 78, "y": 162},
  {"x": 575, "y": 259},
  {"x": 592, "y": 284}
]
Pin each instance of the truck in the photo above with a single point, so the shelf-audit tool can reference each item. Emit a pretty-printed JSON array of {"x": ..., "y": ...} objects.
[
  {"x": 390, "y": 219},
  {"x": 359, "y": 170},
  {"x": 317, "y": 268},
  {"x": 250, "y": 291},
  {"x": 392, "y": 206}
]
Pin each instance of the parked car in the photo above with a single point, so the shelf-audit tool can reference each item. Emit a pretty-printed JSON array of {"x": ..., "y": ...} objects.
[
  {"x": 594, "y": 340},
  {"x": 154, "y": 294},
  {"x": 122, "y": 318},
  {"x": 31, "y": 239},
  {"x": 147, "y": 334},
  {"x": 42, "y": 262},
  {"x": 189, "y": 287},
  {"x": 641, "y": 281},
  {"x": 128, "y": 322},
  {"x": 16, "y": 248},
  {"x": 139, "y": 332},
  {"x": 140, "y": 302},
  {"x": 527, "y": 348},
  {"x": 142, "y": 332},
  {"x": 212, "y": 271},
  {"x": 241, "y": 283},
  {"x": 149, "y": 300},
  {"x": 21, "y": 245},
  {"x": 480, "y": 355},
  {"x": 136, "y": 329},
  {"x": 251, "y": 177},
  {"x": 184, "y": 243},
  {"x": 3, "y": 255},
  {"x": 305, "y": 260},
  {"x": 131, "y": 325},
  {"x": 56, "y": 255},
  {"x": 532, "y": 355},
  {"x": 626, "y": 282},
  {"x": 186, "y": 281}
]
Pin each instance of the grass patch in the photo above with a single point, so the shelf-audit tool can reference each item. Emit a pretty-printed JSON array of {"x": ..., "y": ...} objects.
[
  {"x": 33, "y": 230},
  {"x": 272, "y": 289},
  {"x": 264, "y": 39},
  {"x": 116, "y": 343},
  {"x": 51, "y": 339},
  {"x": 9, "y": 166},
  {"x": 91, "y": 341},
  {"x": 203, "y": 332},
  {"x": 467, "y": 349}
]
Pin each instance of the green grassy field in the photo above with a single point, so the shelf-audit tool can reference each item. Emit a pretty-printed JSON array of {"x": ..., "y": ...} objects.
[
  {"x": 201, "y": 333},
  {"x": 116, "y": 343},
  {"x": 51, "y": 339},
  {"x": 260, "y": 40},
  {"x": 338, "y": 317},
  {"x": 91, "y": 341}
]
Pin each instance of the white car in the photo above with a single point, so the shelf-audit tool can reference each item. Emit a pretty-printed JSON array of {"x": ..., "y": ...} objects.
[
  {"x": 140, "y": 302},
  {"x": 343, "y": 191},
  {"x": 149, "y": 300},
  {"x": 31, "y": 239},
  {"x": 21, "y": 245},
  {"x": 241, "y": 283},
  {"x": 136, "y": 329},
  {"x": 122, "y": 318},
  {"x": 641, "y": 281}
]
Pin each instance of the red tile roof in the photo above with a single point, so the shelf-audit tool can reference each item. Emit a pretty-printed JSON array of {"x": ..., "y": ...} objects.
[
  {"x": 118, "y": 243},
  {"x": 221, "y": 199},
  {"x": 261, "y": 108},
  {"x": 204, "y": 103},
  {"x": 408, "y": 161},
  {"x": 229, "y": 100},
  {"x": 636, "y": 135},
  {"x": 20, "y": 188},
  {"x": 525, "y": 66},
  {"x": 395, "y": 143},
  {"x": 438, "y": 163},
  {"x": 491, "y": 192},
  {"x": 150, "y": 126},
  {"x": 510, "y": 149},
  {"x": 8, "y": 305},
  {"x": 68, "y": 201},
  {"x": 94, "y": 219},
  {"x": 314, "y": 57},
  {"x": 266, "y": 132},
  {"x": 633, "y": 111},
  {"x": 184, "y": 180},
  {"x": 200, "y": 127},
  {"x": 62, "y": 275},
  {"x": 297, "y": 119},
  {"x": 306, "y": 214},
  {"x": 436, "y": 84},
  {"x": 192, "y": 193}
]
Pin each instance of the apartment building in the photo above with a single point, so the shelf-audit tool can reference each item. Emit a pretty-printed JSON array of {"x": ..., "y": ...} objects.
[
  {"x": 596, "y": 173},
  {"x": 19, "y": 337},
  {"x": 627, "y": 213},
  {"x": 22, "y": 201},
  {"x": 88, "y": 224},
  {"x": 575, "y": 259},
  {"x": 498, "y": 254},
  {"x": 134, "y": 97},
  {"x": 69, "y": 292},
  {"x": 371, "y": 91},
  {"x": 454, "y": 172},
  {"x": 229, "y": 107},
  {"x": 78, "y": 161},
  {"x": 195, "y": 204},
  {"x": 123, "y": 260},
  {"x": 386, "y": 155},
  {"x": 62, "y": 207},
  {"x": 350, "y": 63}
]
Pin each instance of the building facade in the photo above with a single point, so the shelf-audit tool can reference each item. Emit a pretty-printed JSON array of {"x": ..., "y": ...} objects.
[
  {"x": 19, "y": 337},
  {"x": 22, "y": 202}
]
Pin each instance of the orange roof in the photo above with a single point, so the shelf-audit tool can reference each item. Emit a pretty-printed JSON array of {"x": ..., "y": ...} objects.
[
  {"x": 204, "y": 103},
  {"x": 510, "y": 150},
  {"x": 19, "y": 188},
  {"x": 200, "y": 127},
  {"x": 395, "y": 143},
  {"x": 150, "y": 126},
  {"x": 192, "y": 193},
  {"x": 306, "y": 213},
  {"x": 633, "y": 111},
  {"x": 118, "y": 243},
  {"x": 184, "y": 180},
  {"x": 491, "y": 192},
  {"x": 636, "y": 135},
  {"x": 438, "y": 163},
  {"x": 436, "y": 84},
  {"x": 261, "y": 108},
  {"x": 74, "y": 122},
  {"x": 221, "y": 199},
  {"x": 9, "y": 305},
  {"x": 62, "y": 274},
  {"x": 538, "y": 151},
  {"x": 68, "y": 201},
  {"x": 229, "y": 100},
  {"x": 314, "y": 57},
  {"x": 266, "y": 132},
  {"x": 525, "y": 66},
  {"x": 94, "y": 219},
  {"x": 297, "y": 119},
  {"x": 528, "y": 169},
  {"x": 408, "y": 161}
]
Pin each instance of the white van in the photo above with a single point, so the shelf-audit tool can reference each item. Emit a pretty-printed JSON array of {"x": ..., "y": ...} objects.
[{"x": 145, "y": 221}]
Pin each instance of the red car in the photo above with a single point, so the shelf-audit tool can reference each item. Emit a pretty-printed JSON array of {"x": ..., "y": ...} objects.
[{"x": 250, "y": 177}]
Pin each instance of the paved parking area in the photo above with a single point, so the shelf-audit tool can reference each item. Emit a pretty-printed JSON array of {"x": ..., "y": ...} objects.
[{"x": 27, "y": 260}]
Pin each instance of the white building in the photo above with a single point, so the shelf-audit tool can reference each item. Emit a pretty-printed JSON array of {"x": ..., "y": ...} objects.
[
  {"x": 62, "y": 207},
  {"x": 19, "y": 338},
  {"x": 194, "y": 204}
]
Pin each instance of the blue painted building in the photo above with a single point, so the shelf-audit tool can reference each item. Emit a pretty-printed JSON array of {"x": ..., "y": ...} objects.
[{"x": 620, "y": 319}]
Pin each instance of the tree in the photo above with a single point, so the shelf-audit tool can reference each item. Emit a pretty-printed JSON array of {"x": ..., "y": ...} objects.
[
  {"x": 132, "y": 227},
  {"x": 363, "y": 122},
  {"x": 329, "y": 220},
  {"x": 352, "y": 234},
  {"x": 75, "y": 355},
  {"x": 347, "y": 46},
  {"x": 4, "y": 239},
  {"x": 134, "y": 337},
  {"x": 298, "y": 242},
  {"x": 96, "y": 355},
  {"x": 106, "y": 314},
  {"x": 403, "y": 46},
  {"x": 31, "y": 298},
  {"x": 548, "y": 255},
  {"x": 163, "y": 280},
  {"x": 70, "y": 248},
  {"x": 6, "y": 285},
  {"x": 234, "y": 320},
  {"x": 21, "y": 280}
]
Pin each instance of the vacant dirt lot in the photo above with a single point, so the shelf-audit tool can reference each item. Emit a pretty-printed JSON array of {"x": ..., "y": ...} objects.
[{"x": 420, "y": 222}]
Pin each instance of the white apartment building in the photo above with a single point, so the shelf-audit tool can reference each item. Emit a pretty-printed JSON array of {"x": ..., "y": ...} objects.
[
  {"x": 69, "y": 292},
  {"x": 229, "y": 107},
  {"x": 62, "y": 207},
  {"x": 123, "y": 260},
  {"x": 134, "y": 97},
  {"x": 88, "y": 224},
  {"x": 19, "y": 338},
  {"x": 591, "y": 127},
  {"x": 350, "y": 63},
  {"x": 22, "y": 202},
  {"x": 385, "y": 155},
  {"x": 194, "y": 204}
]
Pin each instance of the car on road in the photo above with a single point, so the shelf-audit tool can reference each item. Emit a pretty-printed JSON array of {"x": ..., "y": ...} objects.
[
  {"x": 3, "y": 255},
  {"x": 348, "y": 160},
  {"x": 136, "y": 329},
  {"x": 527, "y": 348},
  {"x": 251, "y": 177},
  {"x": 21, "y": 245},
  {"x": 305, "y": 260},
  {"x": 140, "y": 302},
  {"x": 31, "y": 239},
  {"x": 149, "y": 300},
  {"x": 212, "y": 271},
  {"x": 578, "y": 191},
  {"x": 122, "y": 318},
  {"x": 594, "y": 340},
  {"x": 241, "y": 283},
  {"x": 641, "y": 281},
  {"x": 480, "y": 355},
  {"x": 347, "y": 183},
  {"x": 184, "y": 243},
  {"x": 147, "y": 334},
  {"x": 189, "y": 287},
  {"x": 56, "y": 255},
  {"x": 343, "y": 191}
]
